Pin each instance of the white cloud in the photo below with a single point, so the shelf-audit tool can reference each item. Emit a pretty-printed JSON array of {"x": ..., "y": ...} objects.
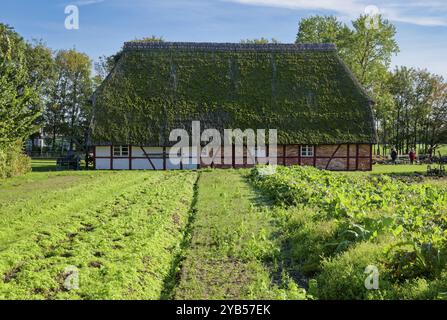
[
  {"x": 417, "y": 20},
  {"x": 424, "y": 13},
  {"x": 345, "y": 6},
  {"x": 81, "y": 3}
]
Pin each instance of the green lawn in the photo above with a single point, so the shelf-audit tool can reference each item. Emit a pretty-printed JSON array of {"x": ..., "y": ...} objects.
[
  {"x": 47, "y": 165},
  {"x": 40, "y": 165},
  {"x": 442, "y": 149},
  {"x": 399, "y": 169},
  {"x": 152, "y": 235}
]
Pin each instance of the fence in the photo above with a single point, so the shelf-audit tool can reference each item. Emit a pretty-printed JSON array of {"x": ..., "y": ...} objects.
[{"x": 52, "y": 155}]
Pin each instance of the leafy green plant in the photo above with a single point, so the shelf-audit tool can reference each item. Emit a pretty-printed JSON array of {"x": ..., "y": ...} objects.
[{"x": 363, "y": 209}]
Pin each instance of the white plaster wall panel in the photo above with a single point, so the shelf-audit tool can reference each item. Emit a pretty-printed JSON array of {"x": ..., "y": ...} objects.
[
  {"x": 171, "y": 166},
  {"x": 140, "y": 164},
  {"x": 158, "y": 163},
  {"x": 154, "y": 150},
  {"x": 261, "y": 152},
  {"x": 144, "y": 164},
  {"x": 102, "y": 164},
  {"x": 137, "y": 152},
  {"x": 190, "y": 166},
  {"x": 120, "y": 164},
  {"x": 190, "y": 161},
  {"x": 192, "y": 152}
]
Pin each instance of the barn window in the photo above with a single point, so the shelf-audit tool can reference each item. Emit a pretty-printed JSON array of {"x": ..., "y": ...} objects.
[
  {"x": 307, "y": 151},
  {"x": 120, "y": 151}
]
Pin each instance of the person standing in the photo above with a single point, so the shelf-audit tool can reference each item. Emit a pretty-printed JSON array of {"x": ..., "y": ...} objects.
[
  {"x": 393, "y": 155},
  {"x": 412, "y": 156}
]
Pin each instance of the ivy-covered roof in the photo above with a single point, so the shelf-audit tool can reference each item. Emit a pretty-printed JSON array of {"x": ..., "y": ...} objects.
[{"x": 305, "y": 91}]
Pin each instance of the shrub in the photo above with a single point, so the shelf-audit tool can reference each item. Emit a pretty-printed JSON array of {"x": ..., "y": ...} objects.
[{"x": 13, "y": 162}]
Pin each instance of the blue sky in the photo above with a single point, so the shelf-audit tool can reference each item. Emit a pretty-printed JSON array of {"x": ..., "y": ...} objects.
[{"x": 106, "y": 24}]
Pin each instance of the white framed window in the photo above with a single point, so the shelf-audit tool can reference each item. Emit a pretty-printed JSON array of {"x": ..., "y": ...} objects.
[
  {"x": 120, "y": 151},
  {"x": 307, "y": 151}
]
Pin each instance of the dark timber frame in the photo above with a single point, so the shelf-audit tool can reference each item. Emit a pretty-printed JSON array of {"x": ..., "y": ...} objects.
[{"x": 342, "y": 157}]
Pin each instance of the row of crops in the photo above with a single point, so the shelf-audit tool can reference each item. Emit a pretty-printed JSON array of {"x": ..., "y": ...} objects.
[
  {"x": 342, "y": 232},
  {"x": 118, "y": 240}
]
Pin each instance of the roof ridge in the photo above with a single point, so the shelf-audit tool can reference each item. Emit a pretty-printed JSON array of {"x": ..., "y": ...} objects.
[{"x": 214, "y": 46}]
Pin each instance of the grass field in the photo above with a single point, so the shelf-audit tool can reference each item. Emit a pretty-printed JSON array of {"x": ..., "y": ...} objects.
[
  {"x": 210, "y": 234},
  {"x": 399, "y": 169},
  {"x": 42, "y": 165},
  {"x": 120, "y": 230}
]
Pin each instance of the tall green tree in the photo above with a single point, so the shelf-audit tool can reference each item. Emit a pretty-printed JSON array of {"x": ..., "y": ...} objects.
[
  {"x": 69, "y": 107},
  {"x": 21, "y": 74},
  {"x": 261, "y": 40},
  {"x": 325, "y": 29},
  {"x": 430, "y": 110},
  {"x": 19, "y": 98},
  {"x": 41, "y": 76},
  {"x": 370, "y": 49},
  {"x": 103, "y": 67},
  {"x": 420, "y": 109},
  {"x": 402, "y": 90},
  {"x": 105, "y": 64},
  {"x": 367, "y": 48}
]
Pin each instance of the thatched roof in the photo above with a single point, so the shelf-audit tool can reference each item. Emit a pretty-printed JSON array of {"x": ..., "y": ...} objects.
[{"x": 304, "y": 91}]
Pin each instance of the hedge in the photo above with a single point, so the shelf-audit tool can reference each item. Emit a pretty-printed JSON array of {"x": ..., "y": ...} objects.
[{"x": 13, "y": 162}]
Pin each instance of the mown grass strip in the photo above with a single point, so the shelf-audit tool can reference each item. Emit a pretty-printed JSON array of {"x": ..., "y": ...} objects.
[
  {"x": 20, "y": 218},
  {"x": 35, "y": 183},
  {"x": 231, "y": 243},
  {"x": 123, "y": 248}
]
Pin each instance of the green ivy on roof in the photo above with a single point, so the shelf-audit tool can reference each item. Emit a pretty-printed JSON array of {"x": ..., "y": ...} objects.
[{"x": 305, "y": 91}]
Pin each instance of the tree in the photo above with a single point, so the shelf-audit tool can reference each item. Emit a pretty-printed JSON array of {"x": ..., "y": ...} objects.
[
  {"x": 68, "y": 109},
  {"x": 366, "y": 48},
  {"x": 370, "y": 49},
  {"x": 152, "y": 38},
  {"x": 103, "y": 67},
  {"x": 325, "y": 29},
  {"x": 436, "y": 129},
  {"x": 420, "y": 109},
  {"x": 106, "y": 63},
  {"x": 41, "y": 65},
  {"x": 41, "y": 76},
  {"x": 19, "y": 104},
  {"x": 259, "y": 41}
]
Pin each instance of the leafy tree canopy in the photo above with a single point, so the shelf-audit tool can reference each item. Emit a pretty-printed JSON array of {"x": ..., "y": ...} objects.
[
  {"x": 259, "y": 41},
  {"x": 19, "y": 98}
]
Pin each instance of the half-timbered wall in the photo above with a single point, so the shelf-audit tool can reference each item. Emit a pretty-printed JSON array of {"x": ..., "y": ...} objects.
[
  {"x": 342, "y": 157},
  {"x": 141, "y": 158}
]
